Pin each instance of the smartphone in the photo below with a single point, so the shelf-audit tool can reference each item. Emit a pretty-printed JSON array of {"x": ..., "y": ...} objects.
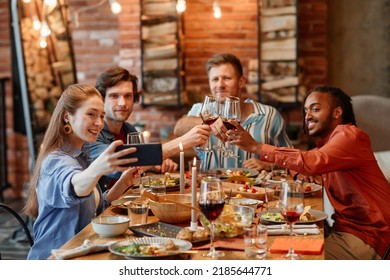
[{"x": 147, "y": 154}]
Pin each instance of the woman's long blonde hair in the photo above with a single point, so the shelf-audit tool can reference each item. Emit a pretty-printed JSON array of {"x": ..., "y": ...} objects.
[{"x": 55, "y": 136}]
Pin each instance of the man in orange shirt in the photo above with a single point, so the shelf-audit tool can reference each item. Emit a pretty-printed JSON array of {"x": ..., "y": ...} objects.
[{"x": 355, "y": 185}]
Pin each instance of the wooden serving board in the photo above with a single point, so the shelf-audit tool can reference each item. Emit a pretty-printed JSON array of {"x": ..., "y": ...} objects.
[{"x": 259, "y": 194}]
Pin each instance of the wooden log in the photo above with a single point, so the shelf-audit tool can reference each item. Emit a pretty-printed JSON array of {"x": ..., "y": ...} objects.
[
  {"x": 162, "y": 8},
  {"x": 277, "y": 68},
  {"x": 159, "y": 29},
  {"x": 278, "y": 11},
  {"x": 278, "y": 23},
  {"x": 160, "y": 64},
  {"x": 273, "y": 55},
  {"x": 285, "y": 82},
  {"x": 160, "y": 51}
]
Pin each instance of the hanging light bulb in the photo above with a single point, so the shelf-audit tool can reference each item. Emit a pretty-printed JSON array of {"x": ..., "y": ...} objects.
[
  {"x": 217, "y": 10},
  {"x": 116, "y": 8},
  {"x": 36, "y": 22},
  {"x": 26, "y": 1},
  {"x": 45, "y": 30},
  {"x": 42, "y": 42},
  {"x": 181, "y": 6}
]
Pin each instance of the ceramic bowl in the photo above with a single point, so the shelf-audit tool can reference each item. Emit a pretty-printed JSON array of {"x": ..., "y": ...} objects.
[{"x": 109, "y": 226}]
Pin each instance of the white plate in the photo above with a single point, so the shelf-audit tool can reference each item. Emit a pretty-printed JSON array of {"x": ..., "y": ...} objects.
[
  {"x": 315, "y": 187},
  {"x": 252, "y": 172},
  {"x": 181, "y": 246},
  {"x": 319, "y": 216}
]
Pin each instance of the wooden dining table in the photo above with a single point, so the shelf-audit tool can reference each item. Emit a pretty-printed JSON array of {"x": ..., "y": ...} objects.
[{"x": 315, "y": 200}]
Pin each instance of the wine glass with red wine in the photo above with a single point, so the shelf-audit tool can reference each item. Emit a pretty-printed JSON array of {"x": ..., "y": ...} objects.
[
  {"x": 291, "y": 207},
  {"x": 209, "y": 113},
  {"x": 231, "y": 111},
  {"x": 211, "y": 202}
]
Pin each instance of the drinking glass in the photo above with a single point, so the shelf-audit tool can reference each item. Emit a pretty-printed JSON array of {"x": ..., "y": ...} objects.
[
  {"x": 291, "y": 207},
  {"x": 211, "y": 202},
  {"x": 231, "y": 111},
  {"x": 135, "y": 138}
]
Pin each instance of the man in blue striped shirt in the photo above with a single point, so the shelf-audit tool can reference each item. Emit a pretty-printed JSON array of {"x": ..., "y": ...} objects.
[{"x": 263, "y": 122}]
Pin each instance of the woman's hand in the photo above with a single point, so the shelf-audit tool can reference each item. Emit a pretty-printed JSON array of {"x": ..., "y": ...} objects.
[{"x": 110, "y": 161}]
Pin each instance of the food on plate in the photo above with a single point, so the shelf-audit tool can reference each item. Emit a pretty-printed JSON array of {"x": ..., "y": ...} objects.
[
  {"x": 171, "y": 181},
  {"x": 239, "y": 195},
  {"x": 169, "y": 245},
  {"x": 166, "y": 179},
  {"x": 240, "y": 180},
  {"x": 307, "y": 217},
  {"x": 231, "y": 173},
  {"x": 262, "y": 178},
  {"x": 278, "y": 217},
  {"x": 248, "y": 188},
  {"x": 307, "y": 187},
  {"x": 142, "y": 249},
  {"x": 188, "y": 235},
  {"x": 232, "y": 220},
  {"x": 184, "y": 234},
  {"x": 273, "y": 216},
  {"x": 200, "y": 234}
]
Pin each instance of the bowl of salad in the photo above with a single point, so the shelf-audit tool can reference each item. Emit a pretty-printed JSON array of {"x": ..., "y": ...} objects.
[{"x": 232, "y": 221}]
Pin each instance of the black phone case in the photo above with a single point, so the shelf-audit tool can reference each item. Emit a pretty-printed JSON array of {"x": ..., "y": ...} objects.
[{"x": 147, "y": 154}]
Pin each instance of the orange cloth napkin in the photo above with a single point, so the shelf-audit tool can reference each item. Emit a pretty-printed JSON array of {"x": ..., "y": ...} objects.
[
  {"x": 232, "y": 243},
  {"x": 308, "y": 246}
]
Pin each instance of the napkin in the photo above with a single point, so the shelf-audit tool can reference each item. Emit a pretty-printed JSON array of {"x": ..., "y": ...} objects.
[
  {"x": 308, "y": 246},
  {"x": 297, "y": 229},
  {"x": 85, "y": 249}
]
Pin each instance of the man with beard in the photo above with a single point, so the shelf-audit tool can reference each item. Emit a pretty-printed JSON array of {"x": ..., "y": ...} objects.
[
  {"x": 119, "y": 90},
  {"x": 264, "y": 123},
  {"x": 353, "y": 181}
]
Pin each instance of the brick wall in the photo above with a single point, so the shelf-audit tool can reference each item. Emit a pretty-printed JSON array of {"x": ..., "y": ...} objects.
[{"x": 103, "y": 39}]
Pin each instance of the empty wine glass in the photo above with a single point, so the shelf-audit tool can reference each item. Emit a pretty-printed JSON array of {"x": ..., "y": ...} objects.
[
  {"x": 291, "y": 207},
  {"x": 211, "y": 203}
]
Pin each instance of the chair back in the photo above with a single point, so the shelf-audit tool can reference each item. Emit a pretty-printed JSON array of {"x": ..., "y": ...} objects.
[
  {"x": 21, "y": 222},
  {"x": 371, "y": 113}
]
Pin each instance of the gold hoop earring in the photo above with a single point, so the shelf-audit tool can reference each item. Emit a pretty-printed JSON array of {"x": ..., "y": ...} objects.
[{"x": 68, "y": 128}]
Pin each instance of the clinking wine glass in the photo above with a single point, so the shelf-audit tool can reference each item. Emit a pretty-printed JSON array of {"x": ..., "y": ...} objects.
[
  {"x": 211, "y": 203},
  {"x": 231, "y": 111},
  {"x": 209, "y": 113},
  {"x": 291, "y": 207}
]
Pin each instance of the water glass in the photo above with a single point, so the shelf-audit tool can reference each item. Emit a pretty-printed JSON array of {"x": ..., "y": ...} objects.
[
  {"x": 255, "y": 240},
  {"x": 138, "y": 212}
]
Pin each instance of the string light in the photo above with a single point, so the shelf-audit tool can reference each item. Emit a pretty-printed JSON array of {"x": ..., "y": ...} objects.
[
  {"x": 45, "y": 30},
  {"x": 36, "y": 22},
  {"x": 217, "y": 10},
  {"x": 181, "y": 6},
  {"x": 42, "y": 42},
  {"x": 116, "y": 8}
]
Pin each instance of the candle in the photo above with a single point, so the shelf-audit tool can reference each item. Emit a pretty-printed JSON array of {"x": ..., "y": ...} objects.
[
  {"x": 182, "y": 179},
  {"x": 194, "y": 223}
]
